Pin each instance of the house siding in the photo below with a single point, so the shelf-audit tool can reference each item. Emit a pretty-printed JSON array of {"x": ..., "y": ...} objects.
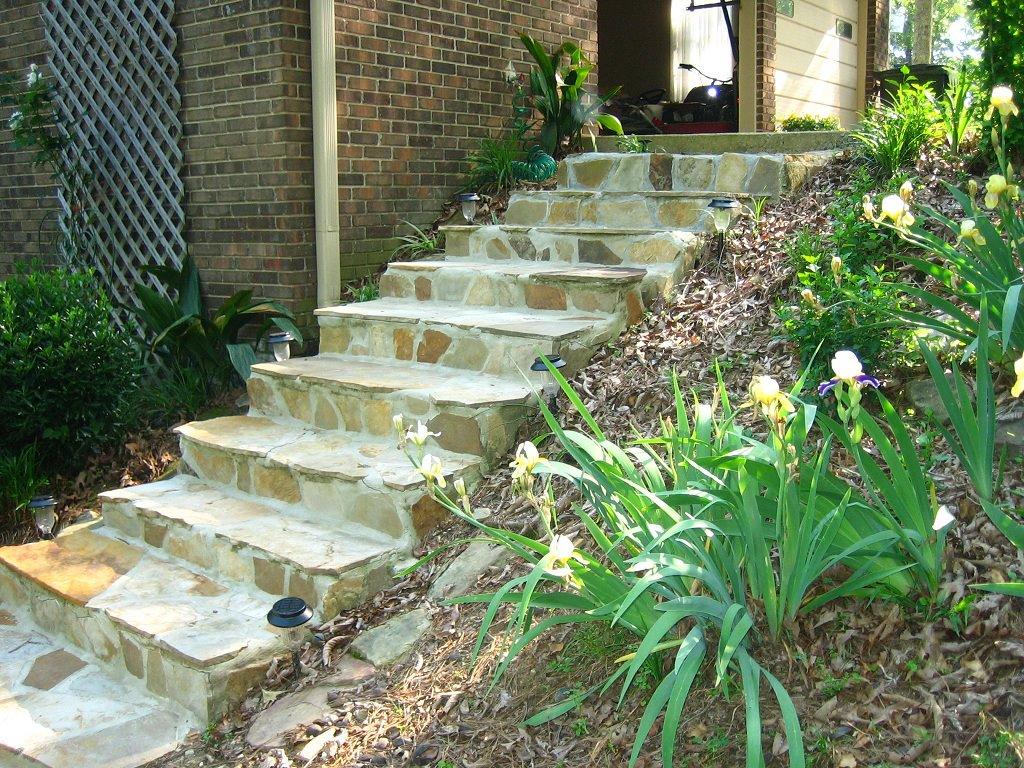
[{"x": 816, "y": 70}]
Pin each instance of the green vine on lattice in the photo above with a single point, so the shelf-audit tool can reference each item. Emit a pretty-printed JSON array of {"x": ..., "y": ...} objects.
[{"x": 35, "y": 125}]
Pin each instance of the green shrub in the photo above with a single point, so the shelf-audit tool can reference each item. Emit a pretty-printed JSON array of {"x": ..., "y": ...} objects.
[
  {"x": 704, "y": 542},
  {"x": 958, "y": 108},
  {"x": 68, "y": 374},
  {"x": 633, "y": 144},
  {"x": 492, "y": 167},
  {"x": 895, "y": 130},
  {"x": 558, "y": 94},
  {"x": 179, "y": 331},
  {"x": 21, "y": 478},
  {"x": 1001, "y": 24},
  {"x": 810, "y": 123},
  {"x": 976, "y": 260}
]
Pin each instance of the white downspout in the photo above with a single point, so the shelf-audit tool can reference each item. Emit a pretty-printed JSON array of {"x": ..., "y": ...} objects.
[{"x": 325, "y": 153}]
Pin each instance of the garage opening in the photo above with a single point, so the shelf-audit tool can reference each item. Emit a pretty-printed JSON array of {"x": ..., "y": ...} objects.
[{"x": 676, "y": 60}]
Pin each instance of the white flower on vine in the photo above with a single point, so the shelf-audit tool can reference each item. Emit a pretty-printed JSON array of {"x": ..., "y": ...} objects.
[{"x": 34, "y": 75}]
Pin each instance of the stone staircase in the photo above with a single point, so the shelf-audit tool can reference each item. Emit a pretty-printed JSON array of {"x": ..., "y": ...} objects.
[{"x": 154, "y": 621}]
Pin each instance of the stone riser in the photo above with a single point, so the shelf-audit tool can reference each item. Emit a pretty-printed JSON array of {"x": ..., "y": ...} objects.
[
  {"x": 474, "y": 288},
  {"x": 759, "y": 175},
  {"x": 455, "y": 347},
  {"x": 207, "y": 692},
  {"x": 327, "y": 593},
  {"x": 400, "y": 513},
  {"x": 546, "y": 209},
  {"x": 665, "y": 255},
  {"x": 486, "y": 431}
]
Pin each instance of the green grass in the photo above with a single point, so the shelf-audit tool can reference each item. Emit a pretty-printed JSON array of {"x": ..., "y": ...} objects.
[{"x": 1002, "y": 749}]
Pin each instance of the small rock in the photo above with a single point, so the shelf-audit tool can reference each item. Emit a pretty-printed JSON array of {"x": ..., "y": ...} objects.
[
  {"x": 461, "y": 575},
  {"x": 925, "y": 397},
  {"x": 385, "y": 644},
  {"x": 289, "y": 712}
]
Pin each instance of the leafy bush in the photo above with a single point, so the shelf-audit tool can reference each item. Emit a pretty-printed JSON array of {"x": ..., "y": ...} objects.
[
  {"x": 179, "y": 331},
  {"x": 699, "y": 541},
  {"x": 557, "y": 93},
  {"x": 1001, "y": 24},
  {"x": 67, "y": 373},
  {"x": 848, "y": 300},
  {"x": 633, "y": 144},
  {"x": 810, "y": 123},
  {"x": 493, "y": 166},
  {"x": 21, "y": 478},
  {"x": 893, "y": 132},
  {"x": 418, "y": 244},
  {"x": 979, "y": 259},
  {"x": 957, "y": 107}
]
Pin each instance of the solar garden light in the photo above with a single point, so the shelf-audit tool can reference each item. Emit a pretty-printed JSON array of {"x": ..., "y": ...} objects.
[
  {"x": 469, "y": 202},
  {"x": 280, "y": 344},
  {"x": 722, "y": 216},
  {"x": 288, "y": 618},
  {"x": 551, "y": 386},
  {"x": 44, "y": 514}
]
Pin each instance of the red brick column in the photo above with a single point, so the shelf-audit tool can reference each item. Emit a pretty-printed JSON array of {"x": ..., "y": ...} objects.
[
  {"x": 877, "y": 52},
  {"x": 764, "y": 63}
]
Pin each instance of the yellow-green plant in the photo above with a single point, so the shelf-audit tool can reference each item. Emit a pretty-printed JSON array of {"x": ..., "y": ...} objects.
[
  {"x": 690, "y": 537},
  {"x": 977, "y": 259},
  {"x": 557, "y": 93}
]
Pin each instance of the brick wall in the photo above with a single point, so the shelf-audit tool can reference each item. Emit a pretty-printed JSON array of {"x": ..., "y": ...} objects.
[
  {"x": 246, "y": 112},
  {"x": 877, "y": 54},
  {"x": 764, "y": 64},
  {"x": 419, "y": 84},
  {"x": 28, "y": 206}
]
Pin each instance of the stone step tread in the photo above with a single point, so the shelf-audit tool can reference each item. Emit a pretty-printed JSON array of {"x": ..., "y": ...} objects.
[
  {"x": 529, "y": 269},
  {"x": 568, "y": 229},
  {"x": 310, "y": 542},
  {"x": 508, "y": 322},
  {"x": 696, "y": 194},
  {"x": 442, "y": 385},
  {"x": 350, "y": 456},
  {"x": 201, "y": 621},
  {"x": 61, "y": 710}
]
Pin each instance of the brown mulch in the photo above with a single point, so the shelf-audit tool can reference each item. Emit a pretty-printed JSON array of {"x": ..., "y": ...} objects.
[{"x": 876, "y": 684}]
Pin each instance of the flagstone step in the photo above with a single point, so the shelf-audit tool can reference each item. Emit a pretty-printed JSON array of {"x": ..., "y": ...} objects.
[
  {"x": 282, "y": 551},
  {"x": 198, "y": 641},
  {"x": 539, "y": 286},
  {"x": 60, "y": 709},
  {"x": 342, "y": 476},
  {"x": 355, "y": 394},
  {"x": 492, "y": 340},
  {"x": 665, "y": 254},
  {"x": 755, "y": 174},
  {"x": 587, "y": 209}
]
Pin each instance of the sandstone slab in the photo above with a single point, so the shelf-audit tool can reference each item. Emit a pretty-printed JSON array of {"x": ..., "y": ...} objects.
[
  {"x": 461, "y": 574},
  {"x": 391, "y": 641}
]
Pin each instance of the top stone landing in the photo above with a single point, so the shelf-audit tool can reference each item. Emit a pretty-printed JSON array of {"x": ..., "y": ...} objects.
[{"x": 760, "y": 175}]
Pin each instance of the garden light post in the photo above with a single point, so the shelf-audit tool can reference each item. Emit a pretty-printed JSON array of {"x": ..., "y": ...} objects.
[
  {"x": 280, "y": 343},
  {"x": 469, "y": 201},
  {"x": 550, "y": 387},
  {"x": 44, "y": 514},
  {"x": 722, "y": 214},
  {"x": 288, "y": 618}
]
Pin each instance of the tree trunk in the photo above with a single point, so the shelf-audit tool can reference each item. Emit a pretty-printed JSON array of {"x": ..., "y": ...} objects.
[{"x": 922, "y": 32}]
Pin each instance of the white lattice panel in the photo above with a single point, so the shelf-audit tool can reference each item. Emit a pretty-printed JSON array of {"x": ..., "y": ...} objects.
[{"x": 116, "y": 75}]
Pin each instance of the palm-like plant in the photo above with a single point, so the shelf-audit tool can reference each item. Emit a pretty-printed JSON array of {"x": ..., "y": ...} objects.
[
  {"x": 557, "y": 92},
  {"x": 180, "y": 329}
]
